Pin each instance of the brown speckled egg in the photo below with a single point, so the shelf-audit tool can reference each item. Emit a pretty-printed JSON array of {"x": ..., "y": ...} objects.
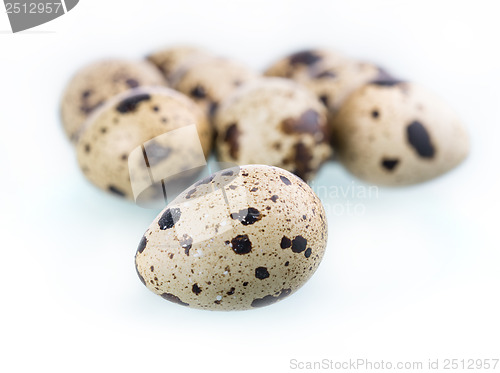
[
  {"x": 329, "y": 75},
  {"x": 397, "y": 133},
  {"x": 242, "y": 238},
  {"x": 170, "y": 60},
  {"x": 152, "y": 131},
  {"x": 96, "y": 83},
  {"x": 273, "y": 121},
  {"x": 210, "y": 80}
]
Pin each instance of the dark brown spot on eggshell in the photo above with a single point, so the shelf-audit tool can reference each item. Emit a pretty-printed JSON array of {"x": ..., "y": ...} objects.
[
  {"x": 309, "y": 122},
  {"x": 299, "y": 244},
  {"x": 198, "y": 92},
  {"x": 285, "y": 242},
  {"x": 116, "y": 191},
  {"x": 306, "y": 57},
  {"x": 270, "y": 299},
  {"x": 247, "y": 216},
  {"x": 302, "y": 158},
  {"x": 213, "y": 108},
  {"x": 390, "y": 164},
  {"x": 132, "y": 83},
  {"x": 325, "y": 74},
  {"x": 129, "y": 105},
  {"x": 169, "y": 218},
  {"x": 285, "y": 180},
  {"x": 196, "y": 289},
  {"x": 419, "y": 139},
  {"x": 241, "y": 244},
  {"x": 384, "y": 79},
  {"x": 173, "y": 298},
  {"x": 232, "y": 138},
  {"x": 142, "y": 244},
  {"x": 205, "y": 180},
  {"x": 261, "y": 273}
]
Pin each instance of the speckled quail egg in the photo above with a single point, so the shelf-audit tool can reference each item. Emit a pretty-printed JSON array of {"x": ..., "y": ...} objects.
[
  {"x": 273, "y": 121},
  {"x": 330, "y": 76},
  {"x": 141, "y": 137},
  {"x": 170, "y": 60},
  {"x": 209, "y": 80},
  {"x": 396, "y": 133},
  {"x": 96, "y": 83},
  {"x": 242, "y": 238}
]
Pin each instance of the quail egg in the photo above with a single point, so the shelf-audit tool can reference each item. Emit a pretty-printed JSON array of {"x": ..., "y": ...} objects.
[
  {"x": 170, "y": 60},
  {"x": 140, "y": 138},
  {"x": 210, "y": 80},
  {"x": 393, "y": 133},
  {"x": 243, "y": 238},
  {"x": 96, "y": 83},
  {"x": 273, "y": 121}
]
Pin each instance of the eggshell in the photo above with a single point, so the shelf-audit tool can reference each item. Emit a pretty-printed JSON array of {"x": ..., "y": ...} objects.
[
  {"x": 210, "y": 80},
  {"x": 398, "y": 133},
  {"x": 141, "y": 137},
  {"x": 273, "y": 121},
  {"x": 331, "y": 76},
  {"x": 239, "y": 239},
  {"x": 96, "y": 83},
  {"x": 170, "y": 60}
]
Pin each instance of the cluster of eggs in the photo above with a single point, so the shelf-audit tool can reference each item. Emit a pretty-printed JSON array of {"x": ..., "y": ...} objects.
[{"x": 252, "y": 234}]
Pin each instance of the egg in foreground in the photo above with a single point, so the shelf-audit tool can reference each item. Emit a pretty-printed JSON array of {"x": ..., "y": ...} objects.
[{"x": 243, "y": 238}]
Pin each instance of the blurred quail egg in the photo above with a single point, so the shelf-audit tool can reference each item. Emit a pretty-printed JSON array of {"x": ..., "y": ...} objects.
[
  {"x": 276, "y": 122},
  {"x": 396, "y": 133},
  {"x": 331, "y": 76},
  {"x": 209, "y": 80},
  {"x": 140, "y": 138},
  {"x": 170, "y": 60},
  {"x": 96, "y": 83}
]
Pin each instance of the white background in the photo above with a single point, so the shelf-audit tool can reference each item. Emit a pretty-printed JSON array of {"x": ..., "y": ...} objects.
[{"x": 415, "y": 277}]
